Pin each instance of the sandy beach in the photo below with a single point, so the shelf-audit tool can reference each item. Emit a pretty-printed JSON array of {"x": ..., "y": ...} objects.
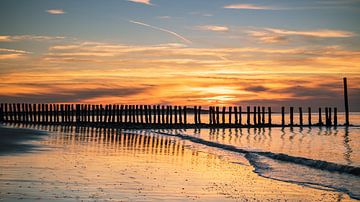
[{"x": 116, "y": 165}]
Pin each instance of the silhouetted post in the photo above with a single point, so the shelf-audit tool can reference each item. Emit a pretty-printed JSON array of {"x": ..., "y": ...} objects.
[
  {"x": 300, "y": 116},
  {"x": 255, "y": 114},
  {"x": 154, "y": 110},
  {"x": 217, "y": 115},
  {"x": 210, "y": 115},
  {"x": 213, "y": 115},
  {"x": 330, "y": 117},
  {"x": 291, "y": 116},
  {"x": 176, "y": 114},
  {"x": 263, "y": 116},
  {"x": 230, "y": 111},
  {"x": 10, "y": 113},
  {"x": 158, "y": 114},
  {"x": 136, "y": 114},
  {"x": 31, "y": 113},
  {"x": 171, "y": 114},
  {"x": 69, "y": 113},
  {"x": 236, "y": 115},
  {"x": 133, "y": 112},
  {"x": 195, "y": 115},
  {"x": 259, "y": 115},
  {"x": 106, "y": 113},
  {"x": 309, "y": 116},
  {"x": 62, "y": 113},
  {"x": 335, "y": 117},
  {"x": 223, "y": 115},
  {"x": 146, "y": 114},
  {"x": 141, "y": 114},
  {"x": 57, "y": 114},
  {"x": 50, "y": 113},
  {"x": 326, "y": 117},
  {"x": 248, "y": 115},
  {"x": 1, "y": 112},
  {"x": 269, "y": 116},
  {"x": 180, "y": 119},
  {"x": 199, "y": 115},
  {"x": 320, "y": 117},
  {"x": 346, "y": 100},
  {"x": 167, "y": 114},
  {"x": 185, "y": 115},
  {"x": 283, "y": 116},
  {"x": 98, "y": 116},
  {"x": 5, "y": 112},
  {"x": 149, "y": 113},
  {"x": 163, "y": 114},
  {"x": 18, "y": 112},
  {"x": 240, "y": 116}
]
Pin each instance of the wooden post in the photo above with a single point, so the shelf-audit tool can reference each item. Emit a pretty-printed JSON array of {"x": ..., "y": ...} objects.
[
  {"x": 31, "y": 113},
  {"x": 283, "y": 116},
  {"x": 141, "y": 114},
  {"x": 217, "y": 115},
  {"x": 259, "y": 115},
  {"x": 180, "y": 119},
  {"x": 263, "y": 116},
  {"x": 146, "y": 114},
  {"x": 291, "y": 116},
  {"x": 346, "y": 100},
  {"x": 18, "y": 112},
  {"x": 199, "y": 115},
  {"x": 255, "y": 114},
  {"x": 309, "y": 116},
  {"x": 158, "y": 114},
  {"x": 2, "y": 112},
  {"x": 10, "y": 113},
  {"x": 248, "y": 115},
  {"x": 136, "y": 114},
  {"x": 154, "y": 111},
  {"x": 185, "y": 115},
  {"x": 320, "y": 117},
  {"x": 236, "y": 115},
  {"x": 126, "y": 112},
  {"x": 133, "y": 113},
  {"x": 210, "y": 115},
  {"x": 223, "y": 115},
  {"x": 326, "y": 116},
  {"x": 149, "y": 113},
  {"x": 240, "y": 115},
  {"x": 195, "y": 115},
  {"x": 330, "y": 117},
  {"x": 269, "y": 116},
  {"x": 300, "y": 116},
  {"x": 335, "y": 117},
  {"x": 163, "y": 114},
  {"x": 230, "y": 111},
  {"x": 167, "y": 114},
  {"x": 171, "y": 114}
]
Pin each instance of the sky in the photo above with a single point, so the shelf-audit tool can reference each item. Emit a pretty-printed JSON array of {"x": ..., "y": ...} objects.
[{"x": 180, "y": 52}]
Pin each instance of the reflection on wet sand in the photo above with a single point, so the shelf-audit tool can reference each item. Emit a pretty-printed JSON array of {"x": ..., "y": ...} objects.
[{"x": 112, "y": 164}]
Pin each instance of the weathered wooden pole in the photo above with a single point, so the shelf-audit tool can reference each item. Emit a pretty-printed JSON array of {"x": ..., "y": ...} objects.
[
  {"x": 199, "y": 115},
  {"x": 195, "y": 115},
  {"x": 171, "y": 114},
  {"x": 176, "y": 114},
  {"x": 346, "y": 104},
  {"x": 283, "y": 116},
  {"x": 236, "y": 115},
  {"x": 2, "y": 112},
  {"x": 141, "y": 114},
  {"x": 230, "y": 113},
  {"x": 167, "y": 114},
  {"x": 326, "y": 117},
  {"x": 335, "y": 117},
  {"x": 291, "y": 116},
  {"x": 240, "y": 115},
  {"x": 180, "y": 115},
  {"x": 248, "y": 115},
  {"x": 255, "y": 114},
  {"x": 158, "y": 114},
  {"x": 309, "y": 116},
  {"x": 146, "y": 114},
  {"x": 223, "y": 115},
  {"x": 217, "y": 115},
  {"x": 185, "y": 115},
  {"x": 31, "y": 113},
  {"x": 330, "y": 117},
  {"x": 263, "y": 116},
  {"x": 300, "y": 116},
  {"x": 320, "y": 117},
  {"x": 269, "y": 116},
  {"x": 210, "y": 115},
  {"x": 259, "y": 115}
]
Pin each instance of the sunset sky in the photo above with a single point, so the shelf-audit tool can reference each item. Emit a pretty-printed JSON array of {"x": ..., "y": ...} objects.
[{"x": 187, "y": 52}]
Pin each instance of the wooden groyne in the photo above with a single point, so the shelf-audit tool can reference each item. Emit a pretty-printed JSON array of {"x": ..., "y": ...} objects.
[{"x": 160, "y": 116}]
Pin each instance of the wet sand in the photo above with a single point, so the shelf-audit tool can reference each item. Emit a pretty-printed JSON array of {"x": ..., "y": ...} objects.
[{"x": 119, "y": 165}]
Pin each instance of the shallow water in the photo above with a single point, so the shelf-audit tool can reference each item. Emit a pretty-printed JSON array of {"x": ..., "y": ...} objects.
[{"x": 102, "y": 164}]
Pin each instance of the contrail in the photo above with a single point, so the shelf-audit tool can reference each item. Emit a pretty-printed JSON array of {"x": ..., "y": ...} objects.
[{"x": 163, "y": 30}]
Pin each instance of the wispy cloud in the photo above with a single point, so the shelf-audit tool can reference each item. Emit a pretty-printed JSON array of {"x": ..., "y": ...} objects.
[
  {"x": 272, "y": 35},
  {"x": 323, "y": 33},
  {"x": 11, "y": 53},
  {"x": 250, "y": 7},
  {"x": 147, "y": 2},
  {"x": 163, "y": 30},
  {"x": 55, "y": 11},
  {"x": 214, "y": 28},
  {"x": 8, "y": 38}
]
